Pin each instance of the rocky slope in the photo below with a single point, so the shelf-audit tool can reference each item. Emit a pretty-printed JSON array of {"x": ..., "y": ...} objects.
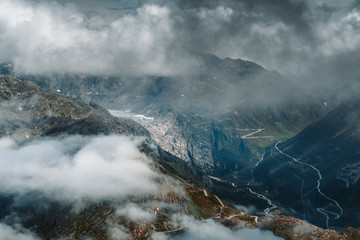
[
  {"x": 216, "y": 118},
  {"x": 30, "y": 113},
  {"x": 27, "y": 111}
]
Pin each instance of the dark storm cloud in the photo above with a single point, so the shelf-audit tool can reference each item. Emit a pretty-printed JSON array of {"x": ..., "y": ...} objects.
[
  {"x": 281, "y": 35},
  {"x": 52, "y": 37},
  {"x": 252, "y": 29},
  {"x": 77, "y": 170},
  {"x": 336, "y": 77},
  {"x": 315, "y": 43},
  {"x": 155, "y": 36},
  {"x": 283, "y": 10}
]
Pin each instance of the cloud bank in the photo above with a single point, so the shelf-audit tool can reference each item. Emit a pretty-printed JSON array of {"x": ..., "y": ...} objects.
[
  {"x": 154, "y": 37},
  {"x": 77, "y": 169},
  {"x": 52, "y": 37},
  {"x": 211, "y": 230},
  {"x": 10, "y": 233}
]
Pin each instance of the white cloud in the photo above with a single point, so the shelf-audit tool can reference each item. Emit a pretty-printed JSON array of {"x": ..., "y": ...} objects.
[
  {"x": 340, "y": 35},
  {"x": 50, "y": 37},
  {"x": 118, "y": 232},
  {"x": 212, "y": 20},
  {"x": 83, "y": 170},
  {"x": 303, "y": 229},
  {"x": 219, "y": 13},
  {"x": 77, "y": 168},
  {"x": 211, "y": 230},
  {"x": 10, "y": 233},
  {"x": 135, "y": 212},
  {"x": 154, "y": 39}
]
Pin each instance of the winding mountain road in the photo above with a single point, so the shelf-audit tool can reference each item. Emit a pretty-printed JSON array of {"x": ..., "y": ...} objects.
[
  {"x": 272, "y": 205},
  {"x": 320, "y": 210},
  {"x": 266, "y": 210},
  {"x": 252, "y": 133}
]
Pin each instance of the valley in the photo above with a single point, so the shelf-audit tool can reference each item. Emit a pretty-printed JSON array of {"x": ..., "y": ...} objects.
[
  {"x": 179, "y": 153},
  {"x": 222, "y": 139}
]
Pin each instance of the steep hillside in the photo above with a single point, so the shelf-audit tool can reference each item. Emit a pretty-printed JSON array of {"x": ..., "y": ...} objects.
[
  {"x": 218, "y": 120},
  {"x": 27, "y": 111},
  {"x": 325, "y": 154},
  {"x": 63, "y": 191},
  {"x": 222, "y": 115}
]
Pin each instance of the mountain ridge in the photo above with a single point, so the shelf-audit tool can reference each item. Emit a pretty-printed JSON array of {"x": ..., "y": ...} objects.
[{"x": 93, "y": 220}]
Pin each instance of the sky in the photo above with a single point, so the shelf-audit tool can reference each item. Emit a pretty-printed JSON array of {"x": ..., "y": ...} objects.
[{"x": 303, "y": 40}]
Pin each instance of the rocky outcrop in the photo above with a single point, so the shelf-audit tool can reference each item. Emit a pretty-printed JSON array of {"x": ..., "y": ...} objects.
[
  {"x": 28, "y": 111},
  {"x": 294, "y": 229}
]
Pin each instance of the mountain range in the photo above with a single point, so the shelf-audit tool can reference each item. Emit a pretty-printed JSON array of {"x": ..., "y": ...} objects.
[{"x": 233, "y": 129}]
